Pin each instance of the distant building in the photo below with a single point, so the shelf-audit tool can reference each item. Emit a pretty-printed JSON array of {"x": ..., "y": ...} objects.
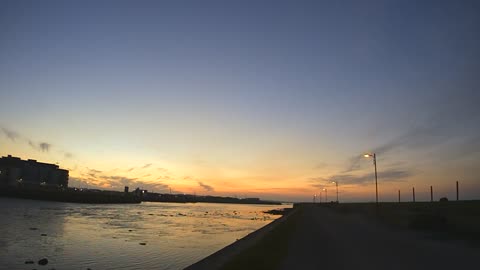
[{"x": 17, "y": 172}]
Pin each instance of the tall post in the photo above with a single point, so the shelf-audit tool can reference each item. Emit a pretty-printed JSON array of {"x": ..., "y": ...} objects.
[
  {"x": 376, "y": 185},
  {"x": 399, "y": 195},
  {"x": 336, "y": 183},
  {"x": 413, "y": 190},
  {"x": 326, "y": 196},
  {"x": 457, "y": 190},
  {"x": 431, "y": 193}
]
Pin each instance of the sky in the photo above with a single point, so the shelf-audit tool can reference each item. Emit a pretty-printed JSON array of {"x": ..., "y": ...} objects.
[{"x": 269, "y": 99}]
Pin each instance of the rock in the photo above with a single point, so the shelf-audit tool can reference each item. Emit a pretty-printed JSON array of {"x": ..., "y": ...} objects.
[
  {"x": 43, "y": 261},
  {"x": 276, "y": 211},
  {"x": 143, "y": 244},
  {"x": 29, "y": 262},
  {"x": 33, "y": 229},
  {"x": 43, "y": 234}
]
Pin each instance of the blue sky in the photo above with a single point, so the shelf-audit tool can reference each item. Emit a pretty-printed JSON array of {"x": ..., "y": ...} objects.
[{"x": 265, "y": 98}]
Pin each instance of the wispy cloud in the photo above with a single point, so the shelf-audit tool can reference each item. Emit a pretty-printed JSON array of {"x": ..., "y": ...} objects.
[
  {"x": 44, "y": 147},
  {"x": 33, "y": 145},
  {"x": 321, "y": 165},
  {"x": 94, "y": 178},
  {"x": 92, "y": 173},
  {"x": 353, "y": 164},
  {"x": 146, "y": 165},
  {"x": 456, "y": 120},
  {"x": 205, "y": 186},
  {"x": 393, "y": 175},
  {"x": 10, "y": 134},
  {"x": 39, "y": 146},
  {"x": 119, "y": 182}
]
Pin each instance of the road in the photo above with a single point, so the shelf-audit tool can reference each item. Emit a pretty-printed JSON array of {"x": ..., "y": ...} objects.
[{"x": 325, "y": 239}]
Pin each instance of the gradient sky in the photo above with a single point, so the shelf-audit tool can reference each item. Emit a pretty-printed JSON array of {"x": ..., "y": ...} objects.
[{"x": 270, "y": 99}]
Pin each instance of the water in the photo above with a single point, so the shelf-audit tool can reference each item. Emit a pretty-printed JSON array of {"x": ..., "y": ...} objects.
[{"x": 81, "y": 236}]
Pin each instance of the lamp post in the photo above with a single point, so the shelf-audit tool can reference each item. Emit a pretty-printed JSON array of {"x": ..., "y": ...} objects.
[
  {"x": 326, "y": 195},
  {"x": 336, "y": 184},
  {"x": 374, "y": 156}
]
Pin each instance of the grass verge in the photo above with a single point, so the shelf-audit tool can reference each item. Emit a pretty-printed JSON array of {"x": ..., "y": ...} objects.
[{"x": 457, "y": 220}]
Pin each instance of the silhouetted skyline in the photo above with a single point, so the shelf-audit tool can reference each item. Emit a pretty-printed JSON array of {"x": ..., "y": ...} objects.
[{"x": 269, "y": 99}]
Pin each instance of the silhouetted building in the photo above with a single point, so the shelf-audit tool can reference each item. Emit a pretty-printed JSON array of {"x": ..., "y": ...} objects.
[
  {"x": 126, "y": 189},
  {"x": 17, "y": 172}
]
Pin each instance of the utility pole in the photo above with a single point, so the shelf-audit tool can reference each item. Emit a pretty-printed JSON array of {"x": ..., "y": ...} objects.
[
  {"x": 413, "y": 189},
  {"x": 399, "y": 195},
  {"x": 374, "y": 156},
  {"x": 376, "y": 184},
  {"x": 457, "y": 190},
  {"x": 336, "y": 183},
  {"x": 431, "y": 193}
]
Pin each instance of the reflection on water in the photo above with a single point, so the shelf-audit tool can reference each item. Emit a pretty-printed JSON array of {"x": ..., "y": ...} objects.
[{"x": 145, "y": 236}]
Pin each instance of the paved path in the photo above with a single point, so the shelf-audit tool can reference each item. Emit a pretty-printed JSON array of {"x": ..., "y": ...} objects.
[{"x": 325, "y": 239}]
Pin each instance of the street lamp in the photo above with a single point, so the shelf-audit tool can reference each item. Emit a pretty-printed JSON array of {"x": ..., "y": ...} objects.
[
  {"x": 326, "y": 195},
  {"x": 374, "y": 156},
  {"x": 336, "y": 184}
]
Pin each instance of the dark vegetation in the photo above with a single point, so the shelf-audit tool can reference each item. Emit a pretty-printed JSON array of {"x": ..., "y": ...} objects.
[
  {"x": 269, "y": 252},
  {"x": 444, "y": 220}
]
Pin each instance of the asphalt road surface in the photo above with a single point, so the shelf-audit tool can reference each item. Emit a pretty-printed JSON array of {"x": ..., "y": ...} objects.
[{"x": 325, "y": 239}]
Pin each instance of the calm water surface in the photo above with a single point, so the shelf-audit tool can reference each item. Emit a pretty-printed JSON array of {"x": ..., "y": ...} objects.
[{"x": 81, "y": 236}]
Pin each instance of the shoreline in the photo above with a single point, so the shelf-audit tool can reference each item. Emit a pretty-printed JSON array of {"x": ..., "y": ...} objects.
[
  {"x": 222, "y": 257},
  {"x": 70, "y": 196},
  {"x": 76, "y": 195}
]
